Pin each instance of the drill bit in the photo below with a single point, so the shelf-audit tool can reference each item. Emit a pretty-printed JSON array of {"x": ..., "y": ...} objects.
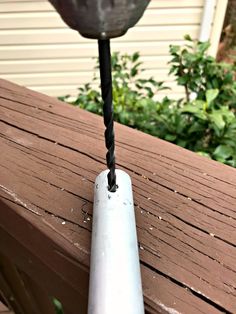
[{"x": 106, "y": 88}]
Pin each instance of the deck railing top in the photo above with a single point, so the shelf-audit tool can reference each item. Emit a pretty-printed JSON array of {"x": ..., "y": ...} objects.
[{"x": 185, "y": 207}]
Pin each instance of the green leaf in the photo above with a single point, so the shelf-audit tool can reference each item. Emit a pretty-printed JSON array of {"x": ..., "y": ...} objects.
[
  {"x": 211, "y": 94},
  {"x": 217, "y": 119},
  {"x": 204, "y": 154},
  {"x": 203, "y": 46},
  {"x": 223, "y": 152},
  {"x": 232, "y": 162},
  {"x": 135, "y": 56},
  {"x": 181, "y": 142},
  {"x": 174, "y": 49},
  {"x": 196, "y": 127},
  {"x": 58, "y": 306},
  {"x": 182, "y": 80},
  {"x": 134, "y": 72},
  {"x": 170, "y": 137},
  {"x": 187, "y": 37},
  {"x": 191, "y": 109}
]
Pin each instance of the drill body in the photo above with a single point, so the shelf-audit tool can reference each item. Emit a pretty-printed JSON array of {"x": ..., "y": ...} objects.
[{"x": 100, "y": 19}]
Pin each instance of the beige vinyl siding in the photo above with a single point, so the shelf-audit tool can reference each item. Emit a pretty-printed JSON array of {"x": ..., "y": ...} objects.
[{"x": 39, "y": 51}]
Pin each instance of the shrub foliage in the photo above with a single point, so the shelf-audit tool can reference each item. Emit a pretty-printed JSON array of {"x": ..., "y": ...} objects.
[{"x": 203, "y": 121}]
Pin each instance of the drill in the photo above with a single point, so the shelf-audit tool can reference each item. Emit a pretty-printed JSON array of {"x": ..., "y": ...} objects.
[
  {"x": 115, "y": 280},
  {"x": 102, "y": 20}
]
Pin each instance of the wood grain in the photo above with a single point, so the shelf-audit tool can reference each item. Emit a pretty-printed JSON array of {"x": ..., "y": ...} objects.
[{"x": 184, "y": 204}]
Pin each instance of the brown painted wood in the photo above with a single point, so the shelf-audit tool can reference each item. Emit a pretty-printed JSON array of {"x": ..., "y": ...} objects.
[
  {"x": 185, "y": 206},
  {"x": 4, "y": 309},
  {"x": 14, "y": 288},
  {"x": 39, "y": 297},
  {"x": 51, "y": 265}
]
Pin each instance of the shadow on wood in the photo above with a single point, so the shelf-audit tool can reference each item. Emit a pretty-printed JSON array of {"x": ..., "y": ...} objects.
[{"x": 185, "y": 209}]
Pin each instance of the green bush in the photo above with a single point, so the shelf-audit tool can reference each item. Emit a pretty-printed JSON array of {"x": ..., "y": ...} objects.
[
  {"x": 206, "y": 125},
  {"x": 198, "y": 72},
  {"x": 133, "y": 98}
]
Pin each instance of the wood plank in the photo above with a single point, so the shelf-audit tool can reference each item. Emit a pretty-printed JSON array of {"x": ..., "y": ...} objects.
[
  {"x": 25, "y": 6},
  {"x": 4, "y": 309},
  {"x": 16, "y": 292},
  {"x": 42, "y": 79},
  {"x": 64, "y": 89},
  {"x": 37, "y": 294},
  {"x": 74, "y": 50},
  {"x": 49, "y": 36},
  {"x": 174, "y": 3},
  {"x": 184, "y": 203},
  {"x": 29, "y": 5},
  {"x": 52, "y": 20},
  {"x": 172, "y": 296},
  {"x": 56, "y": 278},
  {"x": 70, "y": 78},
  {"x": 19, "y": 1},
  {"x": 59, "y": 84},
  {"x": 70, "y": 64}
]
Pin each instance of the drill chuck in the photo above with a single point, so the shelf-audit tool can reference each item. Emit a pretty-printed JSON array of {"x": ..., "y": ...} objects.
[{"x": 100, "y": 19}]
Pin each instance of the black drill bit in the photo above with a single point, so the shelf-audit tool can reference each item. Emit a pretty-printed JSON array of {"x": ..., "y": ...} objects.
[{"x": 106, "y": 88}]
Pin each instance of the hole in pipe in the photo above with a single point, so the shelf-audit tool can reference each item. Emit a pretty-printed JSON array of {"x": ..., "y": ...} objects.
[{"x": 110, "y": 189}]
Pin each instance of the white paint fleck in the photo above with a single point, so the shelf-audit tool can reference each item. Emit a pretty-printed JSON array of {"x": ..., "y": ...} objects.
[
  {"x": 149, "y": 198},
  {"x": 62, "y": 189},
  {"x": 169, "y": 310},
  {"x": 23, "y": 141},
  {"x": 212, "y": 234},
  {"x": 81, "y": 248},
  {"x": 160, "y": 217},
  {"x": 72, "y": 209},
  {"x": 189, "y": 198},
  {"x": 141, "y": 247},
  {"x": 88, "y": 218},
  {"x": 151, "y": 228},
  {"x": 175, "y": 191},
  {"x": 63, "y": 223}
]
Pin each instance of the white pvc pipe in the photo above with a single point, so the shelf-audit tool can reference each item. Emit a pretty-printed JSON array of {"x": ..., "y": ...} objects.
[
  {"x": 115, "y": 280},
  {"x": 207, "y": 19}
]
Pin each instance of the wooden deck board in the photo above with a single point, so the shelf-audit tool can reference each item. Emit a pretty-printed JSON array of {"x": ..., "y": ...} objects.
[
  {"x": 185, "y": 204},
  {"x": 4, "y": 309}
]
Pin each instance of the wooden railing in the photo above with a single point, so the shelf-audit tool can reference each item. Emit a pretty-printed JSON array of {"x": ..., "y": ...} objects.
[{"x": 185, "y": 209}]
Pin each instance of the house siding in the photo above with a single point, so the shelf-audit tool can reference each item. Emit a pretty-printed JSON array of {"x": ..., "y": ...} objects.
[{"x": 39, "y": 51}]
